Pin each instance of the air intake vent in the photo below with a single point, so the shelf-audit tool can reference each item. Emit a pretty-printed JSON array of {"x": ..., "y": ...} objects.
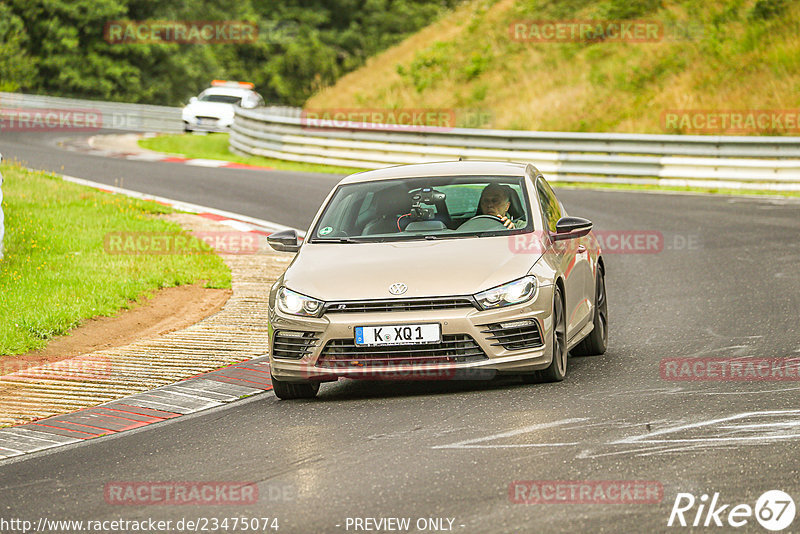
[
  {"x": 394, "y": 305},
  {"x": 456, "y": 348},
  {"x": 515, "y": 335},
  {"x": 293, "y": 345}
]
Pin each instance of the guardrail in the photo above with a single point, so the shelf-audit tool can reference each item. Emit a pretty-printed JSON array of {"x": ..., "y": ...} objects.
[
  {"x": 715, "y": 161},
  {"x": 109, "y": 115},
  {"x": 112, "y": 115}
]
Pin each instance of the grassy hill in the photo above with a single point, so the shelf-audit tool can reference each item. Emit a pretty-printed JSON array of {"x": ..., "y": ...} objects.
[{"x": 714, "y": 55}]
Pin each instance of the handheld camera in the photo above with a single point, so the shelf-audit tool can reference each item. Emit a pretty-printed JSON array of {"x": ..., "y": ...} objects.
[{"x": 427, "y": 196}]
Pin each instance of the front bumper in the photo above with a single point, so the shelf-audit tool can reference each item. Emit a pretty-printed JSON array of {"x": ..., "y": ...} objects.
[
  {"x": 320, "y": 363},
  {"x": 206, "y": 124}
]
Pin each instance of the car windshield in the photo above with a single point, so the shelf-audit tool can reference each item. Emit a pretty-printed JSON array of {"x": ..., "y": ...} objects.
[
  {"x": 425, "y": 208},
  {"x": 225, "y": 99}
]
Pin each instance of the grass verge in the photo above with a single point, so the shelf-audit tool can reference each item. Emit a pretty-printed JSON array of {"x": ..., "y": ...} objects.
[
  {"x": 215, "y": 146},
  {"x": 56, "y": 271},
  {"x": 711, "y": 56}
]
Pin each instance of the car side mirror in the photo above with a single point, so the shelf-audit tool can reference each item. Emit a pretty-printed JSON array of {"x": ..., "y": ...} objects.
[
  {"x": 284, "y": 241},
  {"x": 193, "y": 100},
  {"x": 571, "y": 227}
]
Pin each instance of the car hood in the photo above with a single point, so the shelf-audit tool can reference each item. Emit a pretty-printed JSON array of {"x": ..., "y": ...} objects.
[
  {"x": 209, "y": 109},
  {"x": 356, "y": 271}
]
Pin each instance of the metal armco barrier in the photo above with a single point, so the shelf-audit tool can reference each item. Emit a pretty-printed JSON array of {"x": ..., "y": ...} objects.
[
  {"x": 91, "y": 115},
  {"x": 756, "y": 162},
  {"x": 113, "y": 115}
]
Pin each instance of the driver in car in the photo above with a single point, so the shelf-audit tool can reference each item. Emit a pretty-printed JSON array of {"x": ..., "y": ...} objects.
[{"x": 495, "y": 200}]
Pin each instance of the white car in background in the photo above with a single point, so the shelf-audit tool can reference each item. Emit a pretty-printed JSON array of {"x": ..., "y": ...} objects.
[{"x": 213, "y": 109}]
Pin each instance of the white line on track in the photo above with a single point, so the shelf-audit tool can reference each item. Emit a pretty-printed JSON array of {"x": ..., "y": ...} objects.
[
  {"x": 794, "y": 421},
  {"x": 473, "y": 443}
]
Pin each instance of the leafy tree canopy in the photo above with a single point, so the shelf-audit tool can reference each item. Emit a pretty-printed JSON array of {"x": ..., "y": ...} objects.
[{"x": 58, "y": 47}]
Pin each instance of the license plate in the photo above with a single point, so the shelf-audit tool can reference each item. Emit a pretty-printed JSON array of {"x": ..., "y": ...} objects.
[{"x": 410, "y": 334}]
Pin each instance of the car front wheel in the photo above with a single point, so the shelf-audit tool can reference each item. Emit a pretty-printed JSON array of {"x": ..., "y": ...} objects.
[
  {"x": 597, "y": 340},
  {"x": 557, "y": 369}
]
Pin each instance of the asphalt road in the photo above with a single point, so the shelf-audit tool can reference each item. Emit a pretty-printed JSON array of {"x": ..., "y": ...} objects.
[
  {"x": 726, "y": 284},
  {"x": 278, "y": 196}
]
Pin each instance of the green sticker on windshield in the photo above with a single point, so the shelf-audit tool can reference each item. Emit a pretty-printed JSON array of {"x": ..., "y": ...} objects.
[{"x": 326, "y": 230}]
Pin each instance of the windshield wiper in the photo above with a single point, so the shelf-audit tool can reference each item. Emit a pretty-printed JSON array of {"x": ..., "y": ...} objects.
[{"x": 334, "y": 240}]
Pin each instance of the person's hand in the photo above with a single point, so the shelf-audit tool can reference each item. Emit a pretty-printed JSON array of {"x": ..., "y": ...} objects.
[{"x": 508, "y": 223}]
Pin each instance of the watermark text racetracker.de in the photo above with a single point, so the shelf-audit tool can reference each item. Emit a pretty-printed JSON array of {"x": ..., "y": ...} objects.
[
  {"x": 209, "y": 493},
  {"x": 49, "y": 119},
  {"x": 364, "y": 370},
  {"x": 611, "y": 242},
  {"x": 180, "y": 31},
  {"x": 732, "y": 121},
  {"x": 36, "y": 119},
  {"x": 603, "y": 31},
  {"x": 399, "y": 119},
  {"x": 585, "y": 492},
  {"x": 719, "y": 369},
  {"x": 83, "y": 367},
  {"x": 178, "y": 243}
]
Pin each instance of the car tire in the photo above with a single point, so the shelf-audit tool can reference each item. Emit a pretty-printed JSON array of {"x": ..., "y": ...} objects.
[
  {"x": 294, "y": 390},
  {"x": 557, "y": 370},
  {"x": 596, "y": 342}
]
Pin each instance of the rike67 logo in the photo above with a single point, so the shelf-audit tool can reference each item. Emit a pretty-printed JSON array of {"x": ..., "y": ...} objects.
[{"x": 774, "y": 510}]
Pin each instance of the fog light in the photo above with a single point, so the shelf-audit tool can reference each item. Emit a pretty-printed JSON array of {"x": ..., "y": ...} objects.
[
  {"x": 289, "y": 333},
  {"x": 518, "y": 324}
]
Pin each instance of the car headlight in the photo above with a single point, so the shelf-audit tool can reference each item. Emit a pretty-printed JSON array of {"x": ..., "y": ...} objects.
[
  {"x": 296, "y": 304},
  {"x": 514, "y": 292}
]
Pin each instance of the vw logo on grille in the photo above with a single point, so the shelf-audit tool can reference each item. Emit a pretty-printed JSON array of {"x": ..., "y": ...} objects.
[{"x": 398, "y": 288}]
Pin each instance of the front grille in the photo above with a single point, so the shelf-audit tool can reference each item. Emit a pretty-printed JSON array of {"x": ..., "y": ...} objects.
[
  {"x": 454, "y": 348},
  {"x": 515, "y": 335},
  {"x": 293, "y": 345},
  {"x": 393, "y": 305},
  {"x": 207, "y": 118}
]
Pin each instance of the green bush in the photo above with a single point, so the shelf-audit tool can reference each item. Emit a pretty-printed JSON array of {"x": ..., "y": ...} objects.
[
  {"x": 768, "y": 9},
  {"x": 628, "y": 9},
  {"x": 428, "y": 66}
]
